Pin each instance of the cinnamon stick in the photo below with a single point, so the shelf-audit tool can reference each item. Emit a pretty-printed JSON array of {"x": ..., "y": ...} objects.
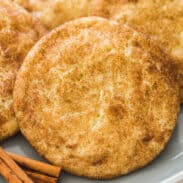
[
  {"x": 14, "y": 167},
  {"x": 36, "y": 165},
  {"x": 8, "y": 174},
  {"x": 41, "y": 178}
]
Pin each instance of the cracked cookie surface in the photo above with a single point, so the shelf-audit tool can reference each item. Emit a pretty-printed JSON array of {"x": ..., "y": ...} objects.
[
  {"x": 96, "y": 98},
  {"x": 160, "y": 19},
  {"x": 52, "y": 13},
  {"x": 18, "y": 33}
]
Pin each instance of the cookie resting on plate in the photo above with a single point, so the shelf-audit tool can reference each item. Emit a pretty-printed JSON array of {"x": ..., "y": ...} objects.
[{"x": 97, "y": 98}]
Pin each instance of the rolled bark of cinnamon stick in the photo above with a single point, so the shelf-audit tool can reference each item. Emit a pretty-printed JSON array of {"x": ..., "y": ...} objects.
[
  {"x": 8, "y": 174},
  {"x": 36, "y": 165},
  {"x": 14, "y": 167},
  {"x": 41, "y": 178}
]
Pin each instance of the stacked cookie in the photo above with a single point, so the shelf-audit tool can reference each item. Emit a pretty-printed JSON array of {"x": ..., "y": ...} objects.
[{"x": 96, "y": 96}]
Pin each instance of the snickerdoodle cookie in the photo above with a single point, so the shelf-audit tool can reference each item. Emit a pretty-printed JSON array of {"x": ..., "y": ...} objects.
[{"x": 97, "y": 98}]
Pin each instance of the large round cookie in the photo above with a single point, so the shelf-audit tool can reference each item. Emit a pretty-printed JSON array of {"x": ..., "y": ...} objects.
[
  {"x": 55, "y": 12},
  {"x": 18, "y": 32},
  {"x": 161, "y": 19},
  {"x": 97, "y": 98}
]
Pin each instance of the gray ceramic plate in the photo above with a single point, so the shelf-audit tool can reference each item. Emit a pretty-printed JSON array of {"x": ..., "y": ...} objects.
[{"x": 167, "y": 168}]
